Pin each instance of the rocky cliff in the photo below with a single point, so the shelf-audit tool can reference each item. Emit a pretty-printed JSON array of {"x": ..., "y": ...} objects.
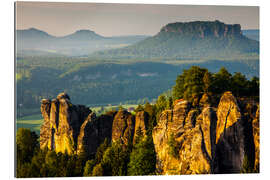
[
  {"x": 190, "y": 40},
  {"x": 256, "y": 135},
  {"x": 62, "y": 121},
  {"x": 123, "y": 127},
  {"x": 215, "y": 136},
  {"x": 72, "y": 128},
  {"x": 203, "y": 29},
  {"x": 207, "y": 139}
]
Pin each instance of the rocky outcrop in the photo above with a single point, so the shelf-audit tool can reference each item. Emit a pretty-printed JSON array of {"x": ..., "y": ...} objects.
[
  {"x": 229, "y": 136},
  {"x": 228, "y": 113},
  {"x": 93, "y": 132},
  {"x": 45, "y": 132},
  {"x": 188, "y": 139},
  {"x": 256, "y": 135},
  {"x": 191, "y": 140},
  {"x": 204, "y": 29},
  {"x": 197, "y": 145},
  {"x": 62, "y": 122},
  {"x": 123, "y": 127},
  {"x": 141, "y": 123},
  {"x": 191, "y": 133}
]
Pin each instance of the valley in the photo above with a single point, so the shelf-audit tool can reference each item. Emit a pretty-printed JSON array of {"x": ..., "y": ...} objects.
[{"x": 183, "y": 101}]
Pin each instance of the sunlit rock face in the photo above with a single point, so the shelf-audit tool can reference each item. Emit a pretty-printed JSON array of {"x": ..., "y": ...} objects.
[
  {"x": 256, "y": 135},
  {"x": 207, "y": 139},
  {"x": 229, "y": 136},
  {"x": 62, "y": 122},
  {"x": 191, "y": 131}
]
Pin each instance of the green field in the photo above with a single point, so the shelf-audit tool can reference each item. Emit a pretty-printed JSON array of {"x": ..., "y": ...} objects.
[
  {"x": 33, "y": 122},
  {"x": 103, "y": 109}
]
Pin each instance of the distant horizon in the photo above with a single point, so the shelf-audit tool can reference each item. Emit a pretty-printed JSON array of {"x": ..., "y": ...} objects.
[
  {"x": 107, "y": 19},
  {"x": 99, "y": 33}
]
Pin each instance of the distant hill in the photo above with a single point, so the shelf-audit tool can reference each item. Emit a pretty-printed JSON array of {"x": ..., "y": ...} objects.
[
  {"x": 33, "y": 34},
  {"x": 252, "y": 34},
  {"x": 198, "y": 39},
  {"x": 83, "y": 35},
  {"x": 82, "y": 42}
]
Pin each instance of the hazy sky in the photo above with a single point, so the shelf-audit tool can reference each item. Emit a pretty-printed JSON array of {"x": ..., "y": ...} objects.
[{"x": 60, "y": 19}]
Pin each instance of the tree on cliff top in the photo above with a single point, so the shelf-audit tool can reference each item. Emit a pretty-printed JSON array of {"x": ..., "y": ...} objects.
[
  {"x": 190, "y": 84},
  {"x": 195, "y": 81}
]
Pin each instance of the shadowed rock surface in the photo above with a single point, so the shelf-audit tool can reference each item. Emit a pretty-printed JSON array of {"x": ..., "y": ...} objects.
[
  {"x": 229, "y": 136},
  {"x": 93, "y": 132},
  {"x": 123, "y": 127},
  {"x": 141, "y": 122}
]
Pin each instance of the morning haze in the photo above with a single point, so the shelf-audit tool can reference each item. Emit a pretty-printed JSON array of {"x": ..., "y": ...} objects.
[{"x": 60, "y": 19}]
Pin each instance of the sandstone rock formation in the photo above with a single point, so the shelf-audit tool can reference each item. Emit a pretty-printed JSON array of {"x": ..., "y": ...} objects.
[
  {"x": 256, "y": 135},
  {"x": 141, "y": 122},
  {"x": 93, "y": 132},
  {"x": 229, "y": 136},
  {"x": 123, "y": 127},
  {"x": 188, "y": 139},
  {"x": 62, "y": 122},
  {"x": 206, "y": 139},
  {"x": 193, "y": 140}
]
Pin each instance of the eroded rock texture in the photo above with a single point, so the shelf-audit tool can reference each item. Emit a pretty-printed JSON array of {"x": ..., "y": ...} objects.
[
  {"x": 188, "y": 139},
  {"x": 229, "y": 136},
  {"x": 141, "y": 123},
  {"x": 256, "y": 135},
  {"x": 191, "y": 140},
  {"x": 62, "y": 122},
  {"x": 93, "y": 132},
  {"x": 123, "y": 127}
]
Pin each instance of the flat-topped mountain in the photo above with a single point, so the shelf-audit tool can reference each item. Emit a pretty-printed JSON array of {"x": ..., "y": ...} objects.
[
  {"x": 203, "y": 29},
  {"x": 198, "y": 39}
]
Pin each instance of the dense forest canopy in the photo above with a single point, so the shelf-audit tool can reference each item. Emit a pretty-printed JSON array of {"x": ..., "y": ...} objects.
[{"x": 95, "y": 82}]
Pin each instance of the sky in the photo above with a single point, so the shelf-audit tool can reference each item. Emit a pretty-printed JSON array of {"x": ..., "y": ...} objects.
[{"x": 61, "y": 19}]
